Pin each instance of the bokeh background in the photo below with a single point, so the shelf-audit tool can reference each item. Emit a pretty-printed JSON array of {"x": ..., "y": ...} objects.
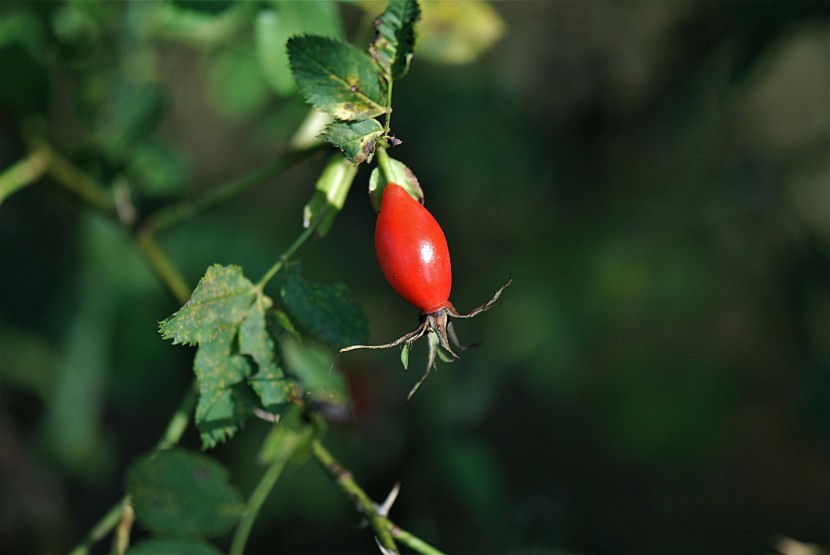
[{"x": 654, "y": 175}]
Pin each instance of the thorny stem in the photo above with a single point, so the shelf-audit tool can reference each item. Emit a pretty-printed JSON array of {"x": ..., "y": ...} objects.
[
  {"x": 386, "y": 531},
  {"x": 413, "y": 542},
  {"x": 365, "y": 505}
]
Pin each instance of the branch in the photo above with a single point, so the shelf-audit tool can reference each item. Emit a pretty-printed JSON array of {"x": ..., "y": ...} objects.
[
  {"x": 74, "y": 179},
  {"x": 386, "y": 531},
  {"x": 164, "y": 269},
  {"x": 225, "y": 192},
  {"x": 23, "y": 173}
]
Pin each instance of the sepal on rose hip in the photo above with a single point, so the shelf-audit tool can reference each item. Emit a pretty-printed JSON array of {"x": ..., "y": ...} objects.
[{"x": 441, "y": 336}]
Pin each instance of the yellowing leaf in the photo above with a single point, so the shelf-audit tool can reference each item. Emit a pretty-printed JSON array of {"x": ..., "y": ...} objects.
[
  {"x": 457, "y": 32},
  {"x": 336, "y": 77}
]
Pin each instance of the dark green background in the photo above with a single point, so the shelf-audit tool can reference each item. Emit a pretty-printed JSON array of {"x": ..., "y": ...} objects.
[{"x": 654, "y": 175}]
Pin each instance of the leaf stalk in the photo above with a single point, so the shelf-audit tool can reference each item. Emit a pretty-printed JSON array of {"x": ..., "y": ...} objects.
[
  {"x": 289, "y": 252},
  {"x": 255, "y": 502}
]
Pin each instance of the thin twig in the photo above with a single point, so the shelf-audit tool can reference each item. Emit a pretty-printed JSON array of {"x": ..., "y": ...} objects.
[
  {"x": 258, "y": 497},
  {"x": 225, "y": 192},
  {"x": 161, "y": 265},
  {"x": 172, "y": 435},
  {"x": 289, "y": 252},
  {"x": 75, "y": 180},
  {"x": 23, "y": 173}
]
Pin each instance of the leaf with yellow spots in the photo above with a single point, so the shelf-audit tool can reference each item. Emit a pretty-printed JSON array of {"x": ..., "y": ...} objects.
[
  {"x": 219, "y": 303},
  {"x": 225, "y": 399},
  {"x": 336, "y": 77},
  {"x": 256, "y": 340},
  {"x": 395, "y": 35}
]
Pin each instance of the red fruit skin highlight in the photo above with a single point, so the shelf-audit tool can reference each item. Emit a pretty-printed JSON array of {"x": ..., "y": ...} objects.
[{"x": 412, "y": 251}]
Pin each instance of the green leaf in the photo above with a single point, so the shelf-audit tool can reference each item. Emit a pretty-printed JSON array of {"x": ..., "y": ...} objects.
[
  {"x": 396, "y": 172},
  {"x": 275, "y": 25},
  {"x": 313, "y": 366},
  {"x": 395, "y": 36},
  {"x": 330, "y": 193},
  {"x": 178, "y": 493},
  {"x": 324, "y": 311},
  {"x": 355, "y": 138},
  {"x": 173, "y": 547},
  {"x": 225, "y": 399},
  {"x": 256, "y": 341},
  {"x": 220, "y": 302},
  {"x": 336, "y": 77},
  {"x": 405, "y": 355}
]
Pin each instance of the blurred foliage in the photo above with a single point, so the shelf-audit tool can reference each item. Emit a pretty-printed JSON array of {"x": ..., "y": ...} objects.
[{"x": 656, "y": 176}]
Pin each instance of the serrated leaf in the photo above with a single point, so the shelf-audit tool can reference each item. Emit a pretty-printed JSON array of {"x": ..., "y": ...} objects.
[
  {"x": 173, "y": 547},
  {"x": 355, "y": 138},
  {"x": 219, "y": 302},
  {"x": 256, "y": 341},
  {"x": 178, "y": 493},
  {"x": 395, "y": 36},
  {"x": 225, "y": 399},
  {"x": 324, "y": 311},
  {"x": 330, "y": 193},
  {"x": 336, "y": 77},
  {"x": 313, "y": 367},
  {"x": 401, "y": 175}
]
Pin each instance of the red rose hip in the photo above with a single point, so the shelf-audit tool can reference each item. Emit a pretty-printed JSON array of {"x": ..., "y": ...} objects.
[
  {"x": 412, "y": 251},
  {"x": 413, "y": 255}
]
